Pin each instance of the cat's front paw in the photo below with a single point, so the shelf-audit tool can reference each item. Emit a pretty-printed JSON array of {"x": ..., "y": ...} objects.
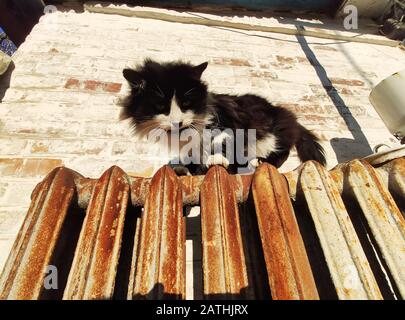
[
  {"x": 254, "y": 163},
  {"x": 217, "y": 159}
]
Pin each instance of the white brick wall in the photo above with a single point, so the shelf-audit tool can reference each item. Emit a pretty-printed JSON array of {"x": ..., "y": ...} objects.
[{"x": 61, "y": 107}]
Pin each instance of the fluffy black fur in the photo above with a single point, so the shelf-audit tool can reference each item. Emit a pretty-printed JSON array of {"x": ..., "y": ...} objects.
[{"x": 154, "y": 84}]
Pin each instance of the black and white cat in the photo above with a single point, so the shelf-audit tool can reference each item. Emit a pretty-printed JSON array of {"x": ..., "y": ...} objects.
[{"x": 172, "y": 96}]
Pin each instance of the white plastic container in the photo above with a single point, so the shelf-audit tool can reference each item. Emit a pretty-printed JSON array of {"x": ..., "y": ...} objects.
[{"x": 388, "y": 99}]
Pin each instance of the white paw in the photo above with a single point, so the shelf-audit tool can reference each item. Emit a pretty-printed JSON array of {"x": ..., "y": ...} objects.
[
  {"x": 217, "y": 159},
  {"x": 254, "y": 163}
]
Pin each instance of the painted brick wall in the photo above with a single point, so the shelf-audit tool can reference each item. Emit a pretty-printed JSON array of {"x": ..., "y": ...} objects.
[{"x": 61, "y": 107}]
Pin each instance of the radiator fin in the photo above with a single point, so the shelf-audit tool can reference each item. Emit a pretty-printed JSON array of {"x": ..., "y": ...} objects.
[
  {"x": 224, "y": 266},
  {"x": 386, "y": 222},
  {"x": 159, "y": 266},
  {"x": 24, "y": 272},
  {"x": 290, "y": 275},
  {"x": 94, "y": 267},
  {"x": 347, "y": 262}
]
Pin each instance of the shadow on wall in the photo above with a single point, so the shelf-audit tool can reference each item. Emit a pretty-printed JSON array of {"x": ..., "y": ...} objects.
[{"x": 344, "y": 148}]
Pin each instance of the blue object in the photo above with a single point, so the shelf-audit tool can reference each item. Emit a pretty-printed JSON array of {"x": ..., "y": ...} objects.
[{"x": 6, "y": 45}]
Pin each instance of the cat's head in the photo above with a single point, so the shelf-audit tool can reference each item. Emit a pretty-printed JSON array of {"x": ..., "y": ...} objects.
[{"x": 168, "y": 96}]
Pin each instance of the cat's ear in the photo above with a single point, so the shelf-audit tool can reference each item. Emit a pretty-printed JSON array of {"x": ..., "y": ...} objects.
[
  {"x": 135, "y": 79},
  {"x": 198, "y": 70}
]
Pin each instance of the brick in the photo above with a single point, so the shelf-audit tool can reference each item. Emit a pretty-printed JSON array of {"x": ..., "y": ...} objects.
[
  {"x": 285, "y": 60},
  {"x": 315, "y": 121},
  {"x": 290, "y": 62},
  {"x": 348, "y": 82},
  {"x": 93, "y": 85},
  {"x": 129, "y": 148},
  {"x": 17, "y": 194},
  {"x": 31, "y": 96},
  {"x": 10, "y": 167},
  {"x": 232, "y": 62},
  {"x": 263, "y": 74},
  {"x": 345, "y": 91},
  {"x": 259, "y": 83},
  {"x": 51, "y": 129},
  {"x": 10, "y": 222},
  {"x": 94, "y": 167},
  {"x": 39, "y": 147},
  {"x": 9, "y": 146},
  {"x": 66, "y": 147},
  {"x": 307, "y": 109},
  {"x": 17, "y": 167},
  {"x": 72, "y": 84},
  {"x": 62, "y": 112},
  {"x": 39, "y": 167},
  {"x": 29, "y": 81},
  {"x": 3, "y": 189},
  {"x": 112, "y": 87},
  {"x": 105, "y": 129},
  {"x": 326, "y": 48}
]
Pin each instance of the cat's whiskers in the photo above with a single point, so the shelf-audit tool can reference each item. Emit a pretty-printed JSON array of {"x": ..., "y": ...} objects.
[
  {"x": 144, "y": 128},
  {"x": 197, "y": 126},
  {"x": 189, "y": 91},
  {"x": 193, "y": 127}
]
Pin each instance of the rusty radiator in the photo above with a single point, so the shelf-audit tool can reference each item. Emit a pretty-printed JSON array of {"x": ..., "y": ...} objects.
[{"x": 307, "y": 234}]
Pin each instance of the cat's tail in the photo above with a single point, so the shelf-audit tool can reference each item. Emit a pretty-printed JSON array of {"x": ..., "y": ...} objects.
[{"x": 309, "y": 148}]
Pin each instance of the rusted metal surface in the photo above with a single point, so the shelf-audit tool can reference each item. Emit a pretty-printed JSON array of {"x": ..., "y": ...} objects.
[
  {"x": 397, "y": 178},
  {"x": 139, "y": 190},
  {"x": 392, "y": 174},
  {"x": 384, "y": 160},
  {"x": 350, "y": 271},
  {"x": 224, "y": 267},
  {"x": 385, "y": 156},
  {"x": 140, "y": 187},
  {"x": 160, "y": 249},
  {"x": 92, "y": 275},
  {"x": 345, "y": 238},
  {"x": 24, "y": 272},
  {"x": 288, "y": 268},
  {"x": 135, "y": 254},
  {"x": 383, "y": 217}
]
